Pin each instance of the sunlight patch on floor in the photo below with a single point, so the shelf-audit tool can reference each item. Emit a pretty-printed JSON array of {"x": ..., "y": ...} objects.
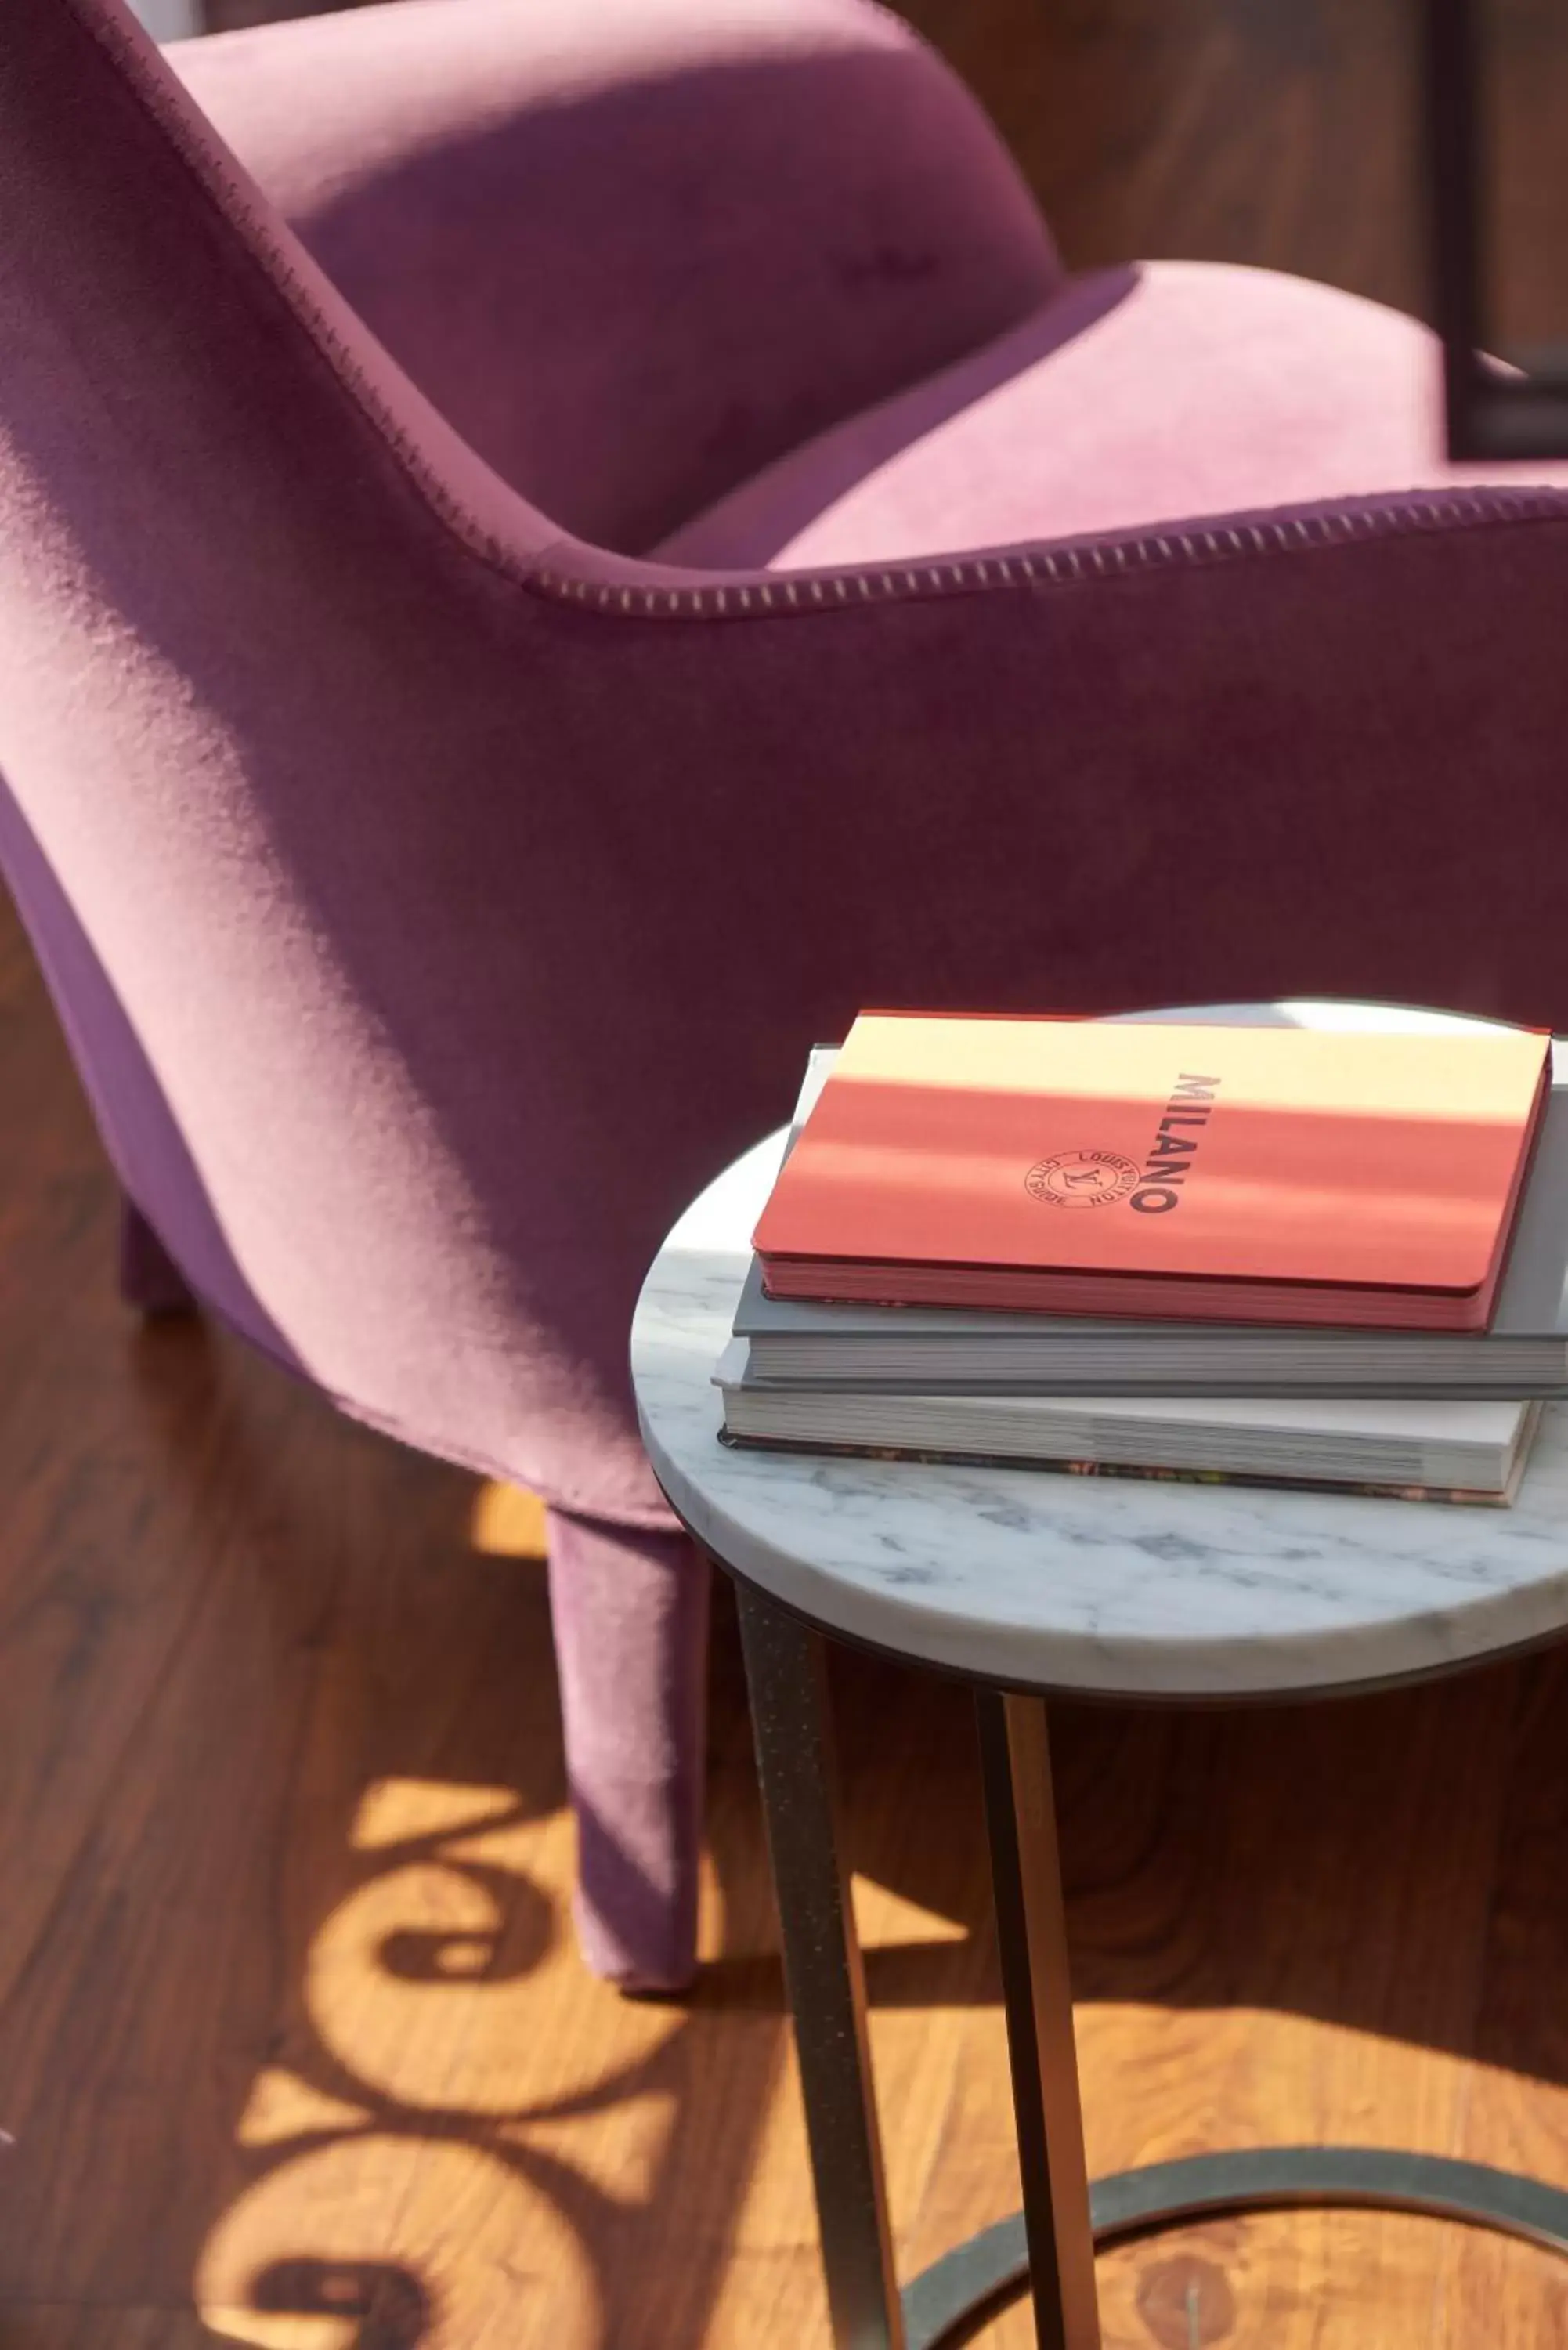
[
  {"x": 508, "y": 1523},
  {"x": 396, "y": 2239},
  {"x": 402, "y": 1811},
  {"x": 430, "y": 2166},
  {"x": 887, "y": 1919},
  {"x": 282, "y": 2107}
]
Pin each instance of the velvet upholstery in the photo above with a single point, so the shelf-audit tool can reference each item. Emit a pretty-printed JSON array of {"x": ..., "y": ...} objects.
[
  {"x": 434, "y": 897},
  {"x": 634, "y": 251}
]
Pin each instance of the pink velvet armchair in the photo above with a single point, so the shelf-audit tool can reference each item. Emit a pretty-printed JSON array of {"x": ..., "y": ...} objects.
[{"x": 604, "y": 541}]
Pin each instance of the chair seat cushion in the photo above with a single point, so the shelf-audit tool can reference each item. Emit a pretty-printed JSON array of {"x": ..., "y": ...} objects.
[{"x": 1137, "y": 395}]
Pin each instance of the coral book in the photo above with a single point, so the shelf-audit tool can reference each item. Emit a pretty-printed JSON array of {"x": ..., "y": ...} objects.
[{"x": 1365, "y": 1178}]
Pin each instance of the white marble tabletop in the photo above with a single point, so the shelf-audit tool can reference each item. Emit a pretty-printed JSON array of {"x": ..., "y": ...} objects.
[{"x": 1105, "y": 1585}]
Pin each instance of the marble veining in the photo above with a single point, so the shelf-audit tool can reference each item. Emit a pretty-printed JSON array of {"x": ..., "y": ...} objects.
[{"x": 1098, "y": 1584}]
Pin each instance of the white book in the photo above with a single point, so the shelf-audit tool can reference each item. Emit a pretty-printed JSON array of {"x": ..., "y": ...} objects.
[{"x": 1430, "y": 1448}]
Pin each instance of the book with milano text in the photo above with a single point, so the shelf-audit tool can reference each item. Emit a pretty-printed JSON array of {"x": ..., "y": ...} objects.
[{"x": 1280, "y": 1175}]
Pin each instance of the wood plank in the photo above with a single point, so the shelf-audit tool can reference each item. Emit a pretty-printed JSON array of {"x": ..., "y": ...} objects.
[
  {"x": 1278, "y": 135},
  {"x": 1527, "y": 180},
  {"x": 92, "y": 2327},
  {"x": 88, "y": 1627}
]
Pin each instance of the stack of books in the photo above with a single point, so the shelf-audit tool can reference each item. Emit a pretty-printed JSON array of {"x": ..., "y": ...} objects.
[{"x": 1276, "y": 1255}]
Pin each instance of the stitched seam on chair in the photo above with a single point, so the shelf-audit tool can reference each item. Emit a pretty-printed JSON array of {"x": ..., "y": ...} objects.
[
  {"x": 1063, "y": 566},
  {"x": 1033, "y": 568}
]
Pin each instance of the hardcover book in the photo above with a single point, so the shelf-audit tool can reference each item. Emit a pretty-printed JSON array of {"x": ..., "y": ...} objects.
[
  {"x": 1280, "y": 1175},
  {"x": 1417, "y": 1450},
  {"x": 943, "y": 1351}
]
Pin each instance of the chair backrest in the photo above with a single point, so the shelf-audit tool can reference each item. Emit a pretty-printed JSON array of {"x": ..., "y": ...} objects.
[{"x": 634, "y": 252}]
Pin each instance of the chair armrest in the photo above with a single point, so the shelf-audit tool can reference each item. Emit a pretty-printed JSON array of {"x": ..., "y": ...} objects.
[{"x": 636, "y": 251}]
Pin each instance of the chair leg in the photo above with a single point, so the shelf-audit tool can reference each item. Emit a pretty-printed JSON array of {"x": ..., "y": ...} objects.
[
  {"x": 150, "y": 1280},
  {"x": 629, "y": 1611}
]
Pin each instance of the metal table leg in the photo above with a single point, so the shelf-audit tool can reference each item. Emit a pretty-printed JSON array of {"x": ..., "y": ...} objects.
[
  {"x": 1031, "y": 1942},
  {"x": 786, "y": 1675},
  {"x": 1049, "y": 2246}
]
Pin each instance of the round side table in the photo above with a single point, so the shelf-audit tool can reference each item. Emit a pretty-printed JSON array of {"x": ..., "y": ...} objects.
[{"x": 1027, "y": 1584}]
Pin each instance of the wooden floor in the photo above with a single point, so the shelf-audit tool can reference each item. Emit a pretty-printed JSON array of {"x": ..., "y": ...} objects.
[
  {"x": 294, "y": 2051},
  {"x": 291, "y": 2031}
]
